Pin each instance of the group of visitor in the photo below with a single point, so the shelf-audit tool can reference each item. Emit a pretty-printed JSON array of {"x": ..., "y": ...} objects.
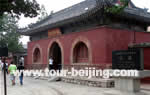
[
  {"x": 13, "y": 68},
  {"x": 10, "y": 69}
]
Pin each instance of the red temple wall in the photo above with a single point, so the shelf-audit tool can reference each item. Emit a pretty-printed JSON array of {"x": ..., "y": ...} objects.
[
  {"x": 147, "y": 58},
  {"x": 120, "y": 39},
  {"x": 66, "y": 42},
  {"x": 101, "y": 42}
]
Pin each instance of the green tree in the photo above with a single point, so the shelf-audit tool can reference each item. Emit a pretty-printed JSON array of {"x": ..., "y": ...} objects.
[
  {"x": 17, "y": 7},
  {"x": 116, "y": 9},
  {"x": 42, "y": 13},
  {"x": 8, "y": 33}
]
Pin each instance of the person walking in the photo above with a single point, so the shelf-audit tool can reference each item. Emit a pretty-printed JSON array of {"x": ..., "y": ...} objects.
[
  {"x": 11, "y": 69},
  {"x": 21, "y": 68},
  {"x": 21, "y": 61},
  {"x": 1, "y": 65}
]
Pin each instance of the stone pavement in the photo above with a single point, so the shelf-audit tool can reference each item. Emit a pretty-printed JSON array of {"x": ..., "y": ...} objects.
[{"x": 43, "y": 87}]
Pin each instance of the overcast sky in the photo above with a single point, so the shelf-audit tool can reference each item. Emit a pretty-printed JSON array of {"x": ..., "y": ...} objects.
[{"x": 57, "y": 5}]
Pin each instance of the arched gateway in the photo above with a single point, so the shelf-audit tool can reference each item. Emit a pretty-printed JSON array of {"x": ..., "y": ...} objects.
[{"x": 55, "y": 53}]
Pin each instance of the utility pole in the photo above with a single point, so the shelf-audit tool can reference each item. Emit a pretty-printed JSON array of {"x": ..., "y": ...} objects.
[
  {"x": 3, "y": 55},
  {"x": 5, "y": 83}
]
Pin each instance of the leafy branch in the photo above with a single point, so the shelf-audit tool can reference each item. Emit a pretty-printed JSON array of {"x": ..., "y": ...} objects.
[{"x": 117, "y": 8}]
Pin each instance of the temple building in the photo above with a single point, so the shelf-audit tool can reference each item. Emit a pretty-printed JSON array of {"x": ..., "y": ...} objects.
[{"x": 84, "y": 35}]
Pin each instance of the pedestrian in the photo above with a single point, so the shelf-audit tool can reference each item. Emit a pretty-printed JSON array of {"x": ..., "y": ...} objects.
[
  {"x": 1, "y": 65},
  {"x": 21, "y": 68},
  {"x": 50, "y": 63},
  {"x": 21, "y": 60},
  {"x": 11, "y": 69}
]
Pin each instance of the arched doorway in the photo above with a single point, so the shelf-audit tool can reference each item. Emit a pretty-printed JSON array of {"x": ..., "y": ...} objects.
[
  {"x": 36, "y": 56},
  {"x": 80, "y": 53},
  {"x": 55, "y": 53}
]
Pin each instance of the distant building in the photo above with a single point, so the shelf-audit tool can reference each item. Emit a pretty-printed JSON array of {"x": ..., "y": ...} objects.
[
  {"x": 84, "y": 35},
  {"x": 21, "y": 56}
]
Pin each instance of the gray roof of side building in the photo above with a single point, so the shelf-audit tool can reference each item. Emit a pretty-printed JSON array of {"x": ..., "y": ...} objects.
[{"x": 80, "y": 11}]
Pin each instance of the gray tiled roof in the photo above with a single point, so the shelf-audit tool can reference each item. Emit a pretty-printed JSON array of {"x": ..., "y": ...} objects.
[
  {"x": 70, "y": 12},
  {"x": 137, "y": 14},
  {"x": 80, "y": 10},
  {"x": 63, "y": 15}
]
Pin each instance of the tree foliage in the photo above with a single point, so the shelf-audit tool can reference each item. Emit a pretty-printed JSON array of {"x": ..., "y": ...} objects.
[
  {"x": 8, "y": 33},
  {"x": 42, "y": 13},
  {"x": 17, "y": 7},
  {"x": 118, "y": 8},
  {"x": 10, "y": 10}
]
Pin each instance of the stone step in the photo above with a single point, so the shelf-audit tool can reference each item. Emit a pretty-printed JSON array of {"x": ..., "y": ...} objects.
[
  {"x": 95, "y": 82},
  {"x": 54, "y": 78},
  {"x": 50, "y": 79}
]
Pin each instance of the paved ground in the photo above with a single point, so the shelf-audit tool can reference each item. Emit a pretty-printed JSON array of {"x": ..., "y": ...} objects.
[{"x": 43, "y": 87}]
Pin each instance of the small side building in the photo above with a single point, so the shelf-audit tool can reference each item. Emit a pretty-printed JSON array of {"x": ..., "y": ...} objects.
[{"x": 20, "y": 56}]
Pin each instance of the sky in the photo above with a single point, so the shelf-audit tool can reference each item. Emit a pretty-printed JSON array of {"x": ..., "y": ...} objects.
[{"x": 56, "y": 5}]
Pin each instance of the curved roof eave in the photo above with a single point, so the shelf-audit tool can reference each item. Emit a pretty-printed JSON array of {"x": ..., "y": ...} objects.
[{"x": 81, "y": 11}]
